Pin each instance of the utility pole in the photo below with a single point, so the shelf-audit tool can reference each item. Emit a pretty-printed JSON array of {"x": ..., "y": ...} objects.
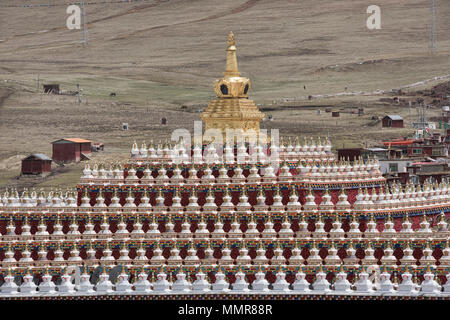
[
  {"x": 433, "y": 45},
  {"x": 83, "y": 10},
  {"x": 79, "y": 93}
]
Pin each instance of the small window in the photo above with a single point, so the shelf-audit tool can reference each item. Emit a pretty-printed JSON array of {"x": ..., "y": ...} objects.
[
  {"x": 437, "y": 152},
  {"x": 224, "y": 89},
  {"x": 393, "y": 167},
  {"x": 246, "y": 89}
]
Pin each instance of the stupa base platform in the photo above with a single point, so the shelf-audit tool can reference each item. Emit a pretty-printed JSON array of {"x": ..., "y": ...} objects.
[{"x": 231, "y": 296}]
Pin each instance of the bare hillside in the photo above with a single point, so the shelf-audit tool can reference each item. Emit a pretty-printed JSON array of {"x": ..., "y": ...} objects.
[{"x": 161, "y": 58}]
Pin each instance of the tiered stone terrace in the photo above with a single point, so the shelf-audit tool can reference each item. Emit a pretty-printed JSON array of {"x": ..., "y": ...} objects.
[{"x": 153, "y": 212}]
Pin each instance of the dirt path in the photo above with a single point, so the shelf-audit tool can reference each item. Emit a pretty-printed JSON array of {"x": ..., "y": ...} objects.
[
  {"x": 5, "y": 93},
  {"x": 365, "y": 93},
  {"x": 129, "y": 11},
  {"x": 117, "y": 15},
  {"x": 248, "y": 4}
]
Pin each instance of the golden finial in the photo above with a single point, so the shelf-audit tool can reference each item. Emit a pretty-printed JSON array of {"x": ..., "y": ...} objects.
[
  {"x": 259, "y": 268},
  {"x": 388, "y": 246},
  {"x": 302, "y": 218},
  {"x": 332, "y": 245},
  {"x": 260, "y": 193},
  {"x": 395, "y": 278},
  {"x": 11, "y": 223},
  {"x": 414, "y": 279},
  {"x": 244, "y": 191},
  {"x": 277, "y": 191},
  {"x": 321, "y": 269},
  {"x": 177, "y": 193},
  {"x": 320, "y": 218},
  {"x": 230, "y": 41}
]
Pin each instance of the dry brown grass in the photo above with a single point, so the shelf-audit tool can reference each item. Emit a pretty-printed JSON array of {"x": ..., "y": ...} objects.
[{"x": 159, "y": 55}]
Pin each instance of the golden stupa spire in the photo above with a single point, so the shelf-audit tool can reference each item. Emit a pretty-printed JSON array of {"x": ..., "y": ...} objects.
[
  {"x": 232, "y": 66},
  {"x": 232, "y": 109}
]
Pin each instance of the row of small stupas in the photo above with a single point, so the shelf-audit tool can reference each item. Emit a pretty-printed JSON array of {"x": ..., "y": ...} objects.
[
  {"x": 314, "y": 151},
  {"x": 328, "y": 172},
  {"x": 206, "y": 227},
  {"x": 109, "y": 250},
  {"x": 434, "y": 198},
  {"x": 195, "y": 241},
  {"x": 222, "y": 282},
  {"x": 258, "y": 166},
  {"x": 202, "y": 226}
]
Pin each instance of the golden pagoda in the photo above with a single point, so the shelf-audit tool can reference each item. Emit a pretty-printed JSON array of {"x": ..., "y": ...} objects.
[{"x": 232, "y": 109}]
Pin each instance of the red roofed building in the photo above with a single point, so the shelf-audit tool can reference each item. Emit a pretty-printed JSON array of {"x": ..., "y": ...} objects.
[
  {"x": 70, "y": 149},
  {"x": 405, "y": 142}
]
